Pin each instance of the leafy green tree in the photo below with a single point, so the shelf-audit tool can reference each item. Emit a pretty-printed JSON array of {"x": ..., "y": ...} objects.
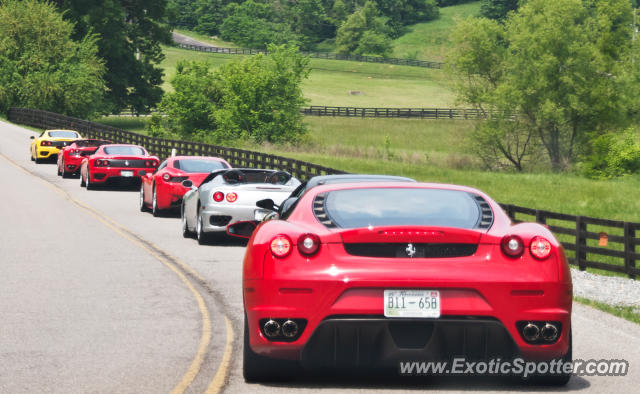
[
  {"x": 261, "y": 97},
  {"x": 258, "y": 98},
  {"x": 407, "y": 12},
  {"x": 364, "y": 33},
  {"x": 498, "y": 9},
  {"x": 42, "y": 67},
  {"x": 555, "y": 71},
  {"x": 130, "y": 34}
]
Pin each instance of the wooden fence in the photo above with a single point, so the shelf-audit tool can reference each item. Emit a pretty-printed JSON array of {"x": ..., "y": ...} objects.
[
  {"x": 604, "y": 244},
  {"x": 318, "y": 55},
  {"x": 420, "y": 113}
]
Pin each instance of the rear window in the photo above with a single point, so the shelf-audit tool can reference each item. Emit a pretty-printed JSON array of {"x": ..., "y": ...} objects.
[
  {"x": 124, "y": 150},
  {"x": 87, "y": 143},
  {"x": 256, "y": 176},
  {"x": 195, "y": 166},
  {"x": 63, "y": 134},
  {"x": 355, "y": 208}
]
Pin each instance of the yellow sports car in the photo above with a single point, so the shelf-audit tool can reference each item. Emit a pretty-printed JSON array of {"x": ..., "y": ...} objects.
[{"x": 49, "y": 143}]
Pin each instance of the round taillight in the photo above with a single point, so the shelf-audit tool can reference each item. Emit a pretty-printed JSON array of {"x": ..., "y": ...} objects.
[
  {"x": 154, "y": 163},
  {"x": 105, "y": 162},
  {"x": 512, "y": 246},
  {"x": 232, "y": 197},
  {"x": 308, "y": 244},
  {"x": 147, "y": 163},
  {"x": 281, "y": 246},
  {"x": 218, "y": 196},
  {"x": 540, "y": 248},
  {"x": 98, "y": 162},
  {"x": 166, "y": 177}
]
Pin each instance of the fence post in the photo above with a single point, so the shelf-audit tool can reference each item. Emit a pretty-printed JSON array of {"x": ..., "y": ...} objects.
[
  {"x": 510, "y": 211},
  {"x": 629, "y": 249},
  {"x": 540, "y": 217},
  {"x": 581, "y": 243}
]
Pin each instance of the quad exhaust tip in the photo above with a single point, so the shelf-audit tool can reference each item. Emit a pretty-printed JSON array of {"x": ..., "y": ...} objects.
[
  {"x": 271, "y": 328},
  {"x": 549, "y": 332},
  {"x": 531, "y": 332},
  {"x": 289, "y": 329}
]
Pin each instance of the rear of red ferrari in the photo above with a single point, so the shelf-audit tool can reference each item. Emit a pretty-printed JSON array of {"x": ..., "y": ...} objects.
[{"x": 366, "y": 277}]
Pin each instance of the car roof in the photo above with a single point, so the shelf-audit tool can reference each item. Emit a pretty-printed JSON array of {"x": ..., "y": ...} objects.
[
  {"x": 197, "y": 157},
  {"x": 346, "y": 178},
  {"x": 412, "y": 185}
]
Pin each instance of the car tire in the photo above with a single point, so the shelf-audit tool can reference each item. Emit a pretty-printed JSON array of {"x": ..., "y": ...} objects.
[
  {"x": 31, "y": 156},
  {"x": 186, "y": 233},
  {"x": 88, "y": 181},
  {"x": 202, "y": 237},
  {"x": 63, "y": 173},
  {"x": 555, "y": 380},
  {"x": 257, "y": 368},
  {"x": 59, "y": 170},
  {"x": 154, "y": 203},
  {"x": 35, "y": 157},
  {"x": 143, "y": 206},
  {"x": 82, "y": 182}
]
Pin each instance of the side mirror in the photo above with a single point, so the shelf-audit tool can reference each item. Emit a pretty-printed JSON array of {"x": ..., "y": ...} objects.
[
  {"x": 187, "y": 183},
  {"x": 32, "y": 137},
  {"x": 241, "y": 229},
  {"x": 267, "y": 203}
]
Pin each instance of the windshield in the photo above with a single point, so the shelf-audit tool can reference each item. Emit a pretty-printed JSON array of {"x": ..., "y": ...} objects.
[
  {"x": 124, "y": 150},
  {"x": 355, "y": 208},
  {"x": 63, "y": 134},
  {"x": 92, "y": 143},
  {"x": 199, "y": 166}
]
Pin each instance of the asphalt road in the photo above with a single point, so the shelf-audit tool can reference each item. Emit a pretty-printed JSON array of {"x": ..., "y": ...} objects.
[{"x": 96, "y": 296}]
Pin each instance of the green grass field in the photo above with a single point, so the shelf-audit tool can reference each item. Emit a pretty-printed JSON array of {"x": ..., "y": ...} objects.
[
  {"x": 330, "y": 82},
  {"x": 430, "y": 40}
]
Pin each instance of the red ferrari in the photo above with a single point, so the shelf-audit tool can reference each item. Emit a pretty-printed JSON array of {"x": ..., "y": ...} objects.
[
  {"x": 116, "y": 162},
  {"x": 163, "y": 189},
  {"x": 70, "y": 157},
  {"x": 366, "y": 275}
]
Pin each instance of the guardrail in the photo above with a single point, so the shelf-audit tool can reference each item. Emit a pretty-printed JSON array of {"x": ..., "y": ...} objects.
[
  {"x": 586, "y": 240},
  {"x": 420, "y": 113},
  {"x": 317, "y": 55}
]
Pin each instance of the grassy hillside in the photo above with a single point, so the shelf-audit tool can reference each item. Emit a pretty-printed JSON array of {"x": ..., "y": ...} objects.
[
  {"x": 430, "y": 40},
  {"x": 382, "y": 85}
]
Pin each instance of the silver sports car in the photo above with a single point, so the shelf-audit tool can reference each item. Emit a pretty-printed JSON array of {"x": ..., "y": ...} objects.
[{"x": 228, "y": 196}]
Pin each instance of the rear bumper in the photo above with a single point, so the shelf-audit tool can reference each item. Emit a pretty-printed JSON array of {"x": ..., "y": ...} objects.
[
  {"x": 217, "y": 220},
  {"x": 44, "y": 152},
  {"x": 100, "y": 175},
  {"x": 378, "y": 342}
]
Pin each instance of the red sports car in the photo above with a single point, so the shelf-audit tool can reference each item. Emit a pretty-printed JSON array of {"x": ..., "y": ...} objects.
[
  {"x": 366, "y": 275},
  {"x": 116, "y": 162},
  {"x": 163, "y": 189},
  {"x": 70, "y": 157}
]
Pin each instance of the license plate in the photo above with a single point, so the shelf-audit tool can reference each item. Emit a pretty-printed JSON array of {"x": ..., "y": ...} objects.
[
  {"x": 412, "y": 303},
  {"x": 126, "y": 173}
]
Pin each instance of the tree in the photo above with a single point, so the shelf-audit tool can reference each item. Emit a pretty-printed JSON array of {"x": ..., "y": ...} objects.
[
  {"x": 130, "y": 34},
  {"x": 258, "y": 98},
  {"x": 407, "y": 12},
  {"x": 364, "y": 32},
  {"x": 558, "y": 68},
  {"x": 498, "y": 9},
  {"x": 42, "y": 67}
]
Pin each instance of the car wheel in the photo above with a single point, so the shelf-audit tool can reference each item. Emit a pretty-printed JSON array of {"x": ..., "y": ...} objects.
[
  {"x": 143, "y": 206},
  {"x": 257, "y": 368},
  {"x": 35, "y": 157},
  {"x": 154, "y": 203},
  {"x": 185, "y": 227},
  {"x": 59, "y": 170},
  {"x": 82, "y": 182},
  {"x": 88, "y": 181},
  {"x": 31, "y": 156},
  {"x": 201, "y": 235},
  {"x": 63, "y": 172}
]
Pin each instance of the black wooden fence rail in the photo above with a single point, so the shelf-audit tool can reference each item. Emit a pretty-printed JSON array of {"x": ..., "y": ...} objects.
[
  {"x": 318, "y": 55},
  {"x": 604, "y": 244},
  {"x": 420, "y": 113}
]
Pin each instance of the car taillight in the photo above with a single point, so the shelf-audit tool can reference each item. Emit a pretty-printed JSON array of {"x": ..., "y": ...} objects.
[
  {"x": 102, "y": 163},
  {"x": 147, "y": 163},
  {"x": 512, "y": 246},
  {"x": 46, "y": 143},
  {"x": 166, "y": 177},
  {"x": 308, "y": 244},
  {"x": 232, "y": 197},
  {"x": 218, "y": 196},
  {"x": 540, "y": 248},
  {"x": 281, "y": 246},
  {"x": 75, "y": 151}
]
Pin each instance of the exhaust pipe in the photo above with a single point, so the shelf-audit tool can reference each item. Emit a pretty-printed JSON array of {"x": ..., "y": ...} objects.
[
  {"x": 531, "y": 332},
  {"x": 549, "y": 332},
  {"x": 289, "y": 329},
  {"x": 271, "y": 328}
]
